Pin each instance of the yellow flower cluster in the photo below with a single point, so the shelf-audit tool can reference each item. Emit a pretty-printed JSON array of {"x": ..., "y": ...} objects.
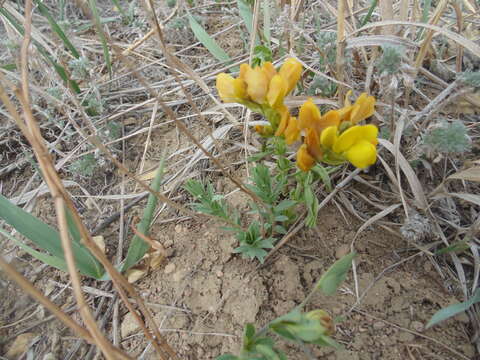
[
  {"x": 334, "y": 137},
  {"x": 262, "y": 89}
]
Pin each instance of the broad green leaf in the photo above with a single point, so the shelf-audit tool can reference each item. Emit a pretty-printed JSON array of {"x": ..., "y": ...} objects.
[
  {"x": 96, "y": 17},
  {"x": 323, "y": 174},
  {"x": 138, "y": 247},
  {"x": 47, "y": 238},
  {"x": 207, "y": 41},
  {"x": 331, "y": 280},
  {"x": 267, "y": 352},
  {"x": 45, "y": 258},
  {"x": 454, "y": 309},
  {"x": 56, "y": 28},
  {"x": 285, "y": 204}
]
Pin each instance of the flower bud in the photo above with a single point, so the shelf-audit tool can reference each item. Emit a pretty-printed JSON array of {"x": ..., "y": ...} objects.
[
  {"x": 325, "y": 320},
  {"x": 276, "y": 91},
  {"x": 230, "y": 89},
  {"x": 257, "y": 84},
  {"x": 291, "y": 71},
  {"x": 309, "y": 115},
  {"x": 304, "y": 160}
]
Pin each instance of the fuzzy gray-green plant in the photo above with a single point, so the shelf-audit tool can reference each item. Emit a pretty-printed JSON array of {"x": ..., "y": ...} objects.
[
  {"x": 448, "y": 138},
  {"x": 390, "y": 60},
  {"x": 471, "y": 78}
]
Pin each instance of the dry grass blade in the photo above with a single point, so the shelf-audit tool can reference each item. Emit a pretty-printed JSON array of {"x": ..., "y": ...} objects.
[
  {"x": 466, "y": 43},
  {"x": 415, "y": 185},
  {"x": 470, "y": 174},
  {"x": 340, "y": 58},
  {"x": 373, "y": 219}
]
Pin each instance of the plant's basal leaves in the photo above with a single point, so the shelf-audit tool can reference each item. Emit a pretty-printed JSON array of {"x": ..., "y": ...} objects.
[
  {"x": 47, "y": 238},
  {"x": 47, "y": 259},
  {"x": 331, "y": 280},
  {"x": 207, "y": 41},
  {"x": 454, "y": 309},
  {"x": 138, "y": 247}
]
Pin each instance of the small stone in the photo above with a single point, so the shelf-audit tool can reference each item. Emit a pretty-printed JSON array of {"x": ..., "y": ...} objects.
[
  {"x": 168, "y": 243},
  {"x": 20, "y": 345},
  {"x": 219, "y": 273},
  {"x": 417, "y": 326},
  {"x": 129, "y": 325},
  {"x": 362, "y": 329},
  {"x": 169, "y": 268},
  {"x": 378, "y": 325},
  {"x": 178, "y": 228},
  {"x": 342, "y": 250}
]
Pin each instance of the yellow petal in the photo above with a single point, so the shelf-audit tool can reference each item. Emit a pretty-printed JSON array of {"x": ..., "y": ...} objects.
[
  {"x": 363, "y": 108},
  {"x": 347, "y": 139},
  {"x": 312, "y": 140},
  {"x": 345, "y": 113},
  {"x": 370, "y": 133},
  {"x": 226, "y": 87},
  {"x": 362, "y": 154},
  {"x": 257, "y": 84},
  {"x": 269, "y": 70},
  {"x": 243, "y": 70},
  {"x": 329, "y": 136},
  {"x": 292, "y": 132},
  {"x": 304, "y": 160},
  {"x": 276, "y": 91},
  {"x": 291, "y": 71},
  {"x": 330, "y": 118},
  {"x": 309, "y": 115},
  {"x": 284, "y": 117}
]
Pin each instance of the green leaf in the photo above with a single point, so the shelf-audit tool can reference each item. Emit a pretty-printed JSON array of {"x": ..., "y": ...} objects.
[
  {"x": 207, "y": 41},
  {"x": 267, "y": 352},
  {"x": 284, "y": 205},
  {"x": 98, "y": 25},
  {"x": 249, "y": 331},
  {"x": 9, "y": 67},
  {"x": 246, "y": 14},
  {"x": 45, "y": 258},
  {"x": 331, "y": 280},
  {"x": 259, "y": 156},
  {"x": 228, "y": 357},
  {"x": 138, "y": 247},
  {"x": 56, "y": 28},
  {"x": 367, "y": 17},
  {"x": 454, "y": 309},
  {"x": 266, "y": 22},
  {"x": 47, "y": 238},
  {"x": 456, "y": 248},
  {"x": 323, "y": 174}
]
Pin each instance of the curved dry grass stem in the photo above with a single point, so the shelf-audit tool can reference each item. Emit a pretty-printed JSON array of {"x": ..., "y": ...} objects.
[{"x": 53, "y": 181}]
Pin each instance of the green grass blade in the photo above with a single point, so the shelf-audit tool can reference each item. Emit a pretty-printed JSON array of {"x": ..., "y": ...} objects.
[
  {"x": 58, "y": 68},
  {"x": 45, "y": 258},
  {"x": 101, "y": 34},
  {"x": 9, "y": 67},
  {"x": 138, "y": 247},
  {"x": 454, "y": 309},
  {"x": 207, "y": 40},
  {"x": 47, "y": 238},
  {"x": 267, "y": 23},
  {"x": 56, "y": 28},
  {"x": 246, "y": 14},
  {"x": 367, "y": 17}
]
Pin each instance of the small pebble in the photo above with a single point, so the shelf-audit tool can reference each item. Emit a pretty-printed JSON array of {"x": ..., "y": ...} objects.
[
  {"x": 219, "y": 274},
  {"x": 378, "y": 325},
  {"x": 168, "y": 243},
  {"x": 178, "y": 228},
  {"x": 169, "y": 268}
]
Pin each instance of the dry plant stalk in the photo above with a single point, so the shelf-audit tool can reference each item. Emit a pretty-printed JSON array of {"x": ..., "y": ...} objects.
[
  {"x": 62, "y": 202},
  {"x": 341, "y": 51}
]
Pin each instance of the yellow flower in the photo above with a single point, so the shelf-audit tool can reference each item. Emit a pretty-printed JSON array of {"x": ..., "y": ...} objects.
[
  {"x": 257, "y": 84},
  {"x": 291, "y": 70},
  {"x": 276, "y": 91},
  {"x": 284, "y": 118},
  {"x": 309, "y": 115},
  {"x": 269, "y": 70},
  {"x": 312, "y": 140},
  {"x": 292, "y": 132},
  {"x": 230, "y": 89},
  {"x": 304, "y": 160},
  {"x": 357, "y": 144},
  {"x": 363, "y": 108}
]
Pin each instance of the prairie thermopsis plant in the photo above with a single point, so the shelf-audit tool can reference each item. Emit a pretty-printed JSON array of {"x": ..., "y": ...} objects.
[{"x": 334, "y": 137}]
